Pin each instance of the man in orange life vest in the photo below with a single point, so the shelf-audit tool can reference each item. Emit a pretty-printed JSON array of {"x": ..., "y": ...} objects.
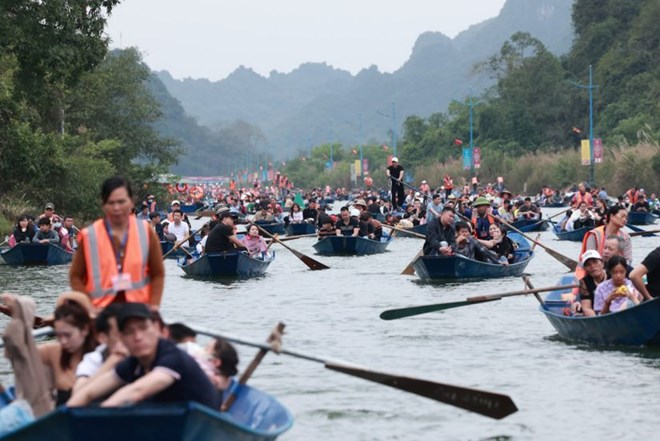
[
  {"x": 119, "y": 258},
  {"x": 482, "y": 219},
  {"x": 582, "y": 195}
]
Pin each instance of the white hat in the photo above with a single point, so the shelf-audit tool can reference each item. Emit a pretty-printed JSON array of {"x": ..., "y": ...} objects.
[
  {"x": 395, "y": 159},
  {"x": 175, "y": 203},
  {"x": 355, "y": 212},
  {"x": 590, "y": 254},
  {"x": 424, "y": 182}
]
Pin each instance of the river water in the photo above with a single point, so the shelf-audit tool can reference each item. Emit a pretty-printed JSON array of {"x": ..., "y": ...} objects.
[{"x": 563, "y": 390}]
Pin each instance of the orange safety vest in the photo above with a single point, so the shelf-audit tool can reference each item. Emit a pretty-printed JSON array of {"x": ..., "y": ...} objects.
[
  {"x": 577, "y": 199},
  {"x": 633, "y": 195},
  {"x": 491, "y": 221},
  {"x": 101, "y": 263}
]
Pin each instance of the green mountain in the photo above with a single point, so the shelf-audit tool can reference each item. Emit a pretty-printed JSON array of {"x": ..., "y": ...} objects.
[{"x": 317, "y": 103}]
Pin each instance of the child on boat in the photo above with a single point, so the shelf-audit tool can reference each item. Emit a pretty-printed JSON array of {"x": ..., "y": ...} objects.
[{"x": 618, "y": 292}]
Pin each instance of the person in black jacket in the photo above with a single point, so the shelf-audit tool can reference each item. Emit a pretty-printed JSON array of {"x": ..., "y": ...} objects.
[
  {"x": 24, "y": 230},
  {"x": 440, "y": 234}
]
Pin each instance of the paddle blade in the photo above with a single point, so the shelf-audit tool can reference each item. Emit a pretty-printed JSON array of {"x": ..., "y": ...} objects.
[
  {"x": 410, "y": 269},
  {"x": 393, "y": 314},
  {"x": 489, "y": 404}
]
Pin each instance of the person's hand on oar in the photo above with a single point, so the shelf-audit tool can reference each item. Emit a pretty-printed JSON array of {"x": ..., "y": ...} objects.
[
  {"x": 489, "y": 404},
  {"x": 182, "y": 241},
  {"x": 275, "y": 341}
]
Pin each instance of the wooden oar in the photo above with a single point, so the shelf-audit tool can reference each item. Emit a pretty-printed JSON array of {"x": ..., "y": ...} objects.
[
  {"x": 566, "y": 261},
  {"x": 275, "y": 341},
  {"x": 405, "y": 230},
  {"x": 644, "y": 233},
  {"x": 489, "y": 404},
  {"x": 393, "y": 314},
  {"x": 311, "y": 263},
  {"x": 39, "y": 322},
  {"x": 640, "y": 231},
  {"x": 185, "y": 239},
  {"x": 410, "y": 269},
  {"x": 529, "y": 285}
]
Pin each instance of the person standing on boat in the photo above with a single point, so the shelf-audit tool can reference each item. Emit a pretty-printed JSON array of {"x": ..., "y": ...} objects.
[
  {"x": 180, "y": 229},
  {"x": 119, "y": 258},
  {"x": 650, "y": 267},
  {"x": 448, "y": 184},
  {"x": 395, "y": 174},
  {"x": 440, "y": 234},
  {"x": 49, "y": 212},
  {"x": 155, "y": 370}
]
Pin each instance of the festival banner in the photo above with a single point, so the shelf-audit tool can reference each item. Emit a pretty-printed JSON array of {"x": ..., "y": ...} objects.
[
  {"x": 352, "y": 167},
  {"x": 598, "y": 150},
  {"x": 586, "y": 152},
  {"x": 467, "y": 158},
  {"x": 365, "y": 166},
  {"x": 477, "y": 157},
  {"x": 357, "y": 167}
]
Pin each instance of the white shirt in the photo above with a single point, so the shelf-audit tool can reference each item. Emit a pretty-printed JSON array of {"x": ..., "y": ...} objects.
[
  {"x": 181, "y": 231},
  {"x": 91, "y": 362}
]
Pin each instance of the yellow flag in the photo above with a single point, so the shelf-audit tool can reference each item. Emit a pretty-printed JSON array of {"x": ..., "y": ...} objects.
[{"x": 586, "y": 152}]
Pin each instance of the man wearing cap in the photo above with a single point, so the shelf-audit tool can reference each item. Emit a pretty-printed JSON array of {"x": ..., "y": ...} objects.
[
  {"x": 482, "y": 219},
  {"x": 49, "y": 212},
  {"x": 222, "y": 237},
  {"x": 156, "y": 369},
  {"x": 592, "y": 263},
  {"x": 395, "y": 173}
]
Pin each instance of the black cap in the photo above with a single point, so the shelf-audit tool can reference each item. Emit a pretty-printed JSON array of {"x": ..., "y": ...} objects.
[
  {"x": 225, "y": 212},
  {"x": 132, "y": 310}
]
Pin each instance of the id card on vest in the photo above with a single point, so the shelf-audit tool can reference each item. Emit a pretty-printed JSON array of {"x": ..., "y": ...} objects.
[{"x": 121, "y": 282}]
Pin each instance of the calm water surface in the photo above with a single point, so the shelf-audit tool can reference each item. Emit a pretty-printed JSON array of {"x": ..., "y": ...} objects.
[{"x": 563, "y": 390}]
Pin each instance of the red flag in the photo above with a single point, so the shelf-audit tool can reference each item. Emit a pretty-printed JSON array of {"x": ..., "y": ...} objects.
[{"x": 458, "y": 142}]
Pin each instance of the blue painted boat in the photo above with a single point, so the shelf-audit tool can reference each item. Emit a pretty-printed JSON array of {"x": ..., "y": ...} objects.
[
  {"x": 555, "y": 204},
  {"x": 166, "y": 246},
  {"x": 300, "y": 229},
  {"x": 254, "y": 416},
  {"x": 190, "y": 208},
  {"x": 528, "y": 225},
  {"x": 231, "y": 264},
  {"x": 273, "y": 227},
  {"x": 573, "y": 236},
  {"x": 419, "y": 229},
  {"x": 437, "y": 268},
  {"x": 36, "y": 254},
  {"x": 639, "y": 325},
  {"x": 350, "y": 246},
  {"x": 641, "y": 218}
]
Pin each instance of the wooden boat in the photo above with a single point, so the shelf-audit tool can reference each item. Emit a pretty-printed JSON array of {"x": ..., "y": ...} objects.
[
  {"x": 254, "y": 416},
  {"x": 273, "y": 227},
  {"x": 350, "y": 245},
  {"x": 639, "y": 325},
  {"x": 435, "y": 268},
  {"x": 231, "y": 264},
  {"x": 641, "y": 218},
  {"x": 192, "y": 208},
  {"x": 300, "y": 229},
  {"x": 555, "y": 204},
  {"x": 36, "y": 254},
  {"x": 419, "y": 229},
  {"x": 574, "y": 236},
  {"x": 528, "y": 225},
  {"x": 166, "y": 246}
]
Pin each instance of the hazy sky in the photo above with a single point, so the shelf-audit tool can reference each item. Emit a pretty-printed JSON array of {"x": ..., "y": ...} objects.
[{"x": 211, "y": 38}]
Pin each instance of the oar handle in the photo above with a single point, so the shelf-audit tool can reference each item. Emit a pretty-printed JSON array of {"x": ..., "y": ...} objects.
[
  {"x": 520, "y": 293},
  {"x": 275, "y": 335},
  {"x": 403, "y": 230},
  {"x": 177, "y": 245}
]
